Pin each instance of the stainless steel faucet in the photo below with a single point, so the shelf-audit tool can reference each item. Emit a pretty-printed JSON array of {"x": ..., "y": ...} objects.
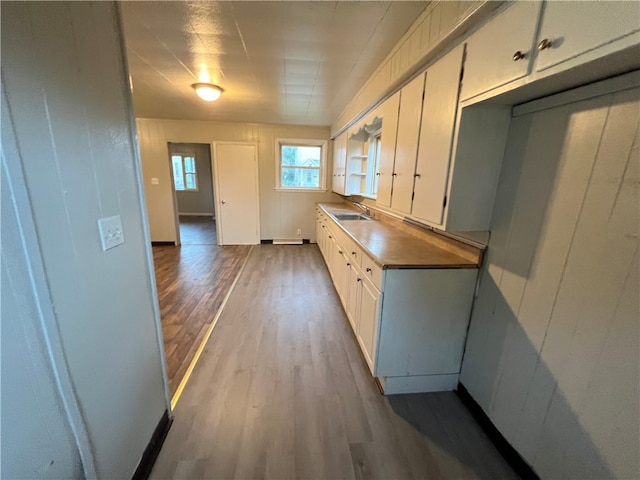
[{"x": 364, "y": 208}]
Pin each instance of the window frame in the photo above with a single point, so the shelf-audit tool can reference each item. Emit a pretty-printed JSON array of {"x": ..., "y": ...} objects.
[
  {"x": 301, "y": 142},
  {"x": 183, "y": 157}
]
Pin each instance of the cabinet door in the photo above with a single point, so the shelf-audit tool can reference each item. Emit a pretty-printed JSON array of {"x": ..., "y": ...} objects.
[
  {"x": 407, "y": 144},
  {"x": 339, "y": 163},
  {"x": 492, "y": 58},
  {"x": 388, "y": 149},
  {"x": 332, "y": 255},
  {"x": 319, "y": 233},
  {"x": 369, "y": 310},
  {"x": 322, "y": 240},
  {"x": 436, "y": 135},
  {"x": 342, "y": 279},
  {"x": 573, "y": 28},
  {"x": 353, "y": 298}
]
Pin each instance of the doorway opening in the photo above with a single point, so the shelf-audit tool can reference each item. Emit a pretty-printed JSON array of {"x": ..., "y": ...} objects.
[{"x": 194, "y": 193}]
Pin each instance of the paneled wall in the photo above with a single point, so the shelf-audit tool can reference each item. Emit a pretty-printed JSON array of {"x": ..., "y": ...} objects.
[
  {"x": 281, "y": 213},
  {"x": 427, "y": 32},
  {"x": 553, "y": 347},
  {"x": 68, "y": 113}
]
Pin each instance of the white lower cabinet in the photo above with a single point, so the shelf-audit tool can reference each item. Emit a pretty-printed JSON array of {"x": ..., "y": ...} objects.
[
  {"x": 411, "y": 324},
  {"x": 369, "y": 299}
]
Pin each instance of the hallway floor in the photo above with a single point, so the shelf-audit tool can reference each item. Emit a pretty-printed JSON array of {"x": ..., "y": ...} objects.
[
  {"x": 282, "y": 391},
  {"x": 197, "y": 230},
  {"x": 192, "y": 281}
]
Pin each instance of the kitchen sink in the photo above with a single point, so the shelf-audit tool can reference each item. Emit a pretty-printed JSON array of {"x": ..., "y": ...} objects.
[{"x": 351, "y": 216}]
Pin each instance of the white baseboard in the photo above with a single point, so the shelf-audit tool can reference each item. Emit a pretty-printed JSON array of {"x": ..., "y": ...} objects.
[
  {"x": 196, "y": 214},
  {"x": 419, "y": 383},
  {"x": 295, "y": 241}
]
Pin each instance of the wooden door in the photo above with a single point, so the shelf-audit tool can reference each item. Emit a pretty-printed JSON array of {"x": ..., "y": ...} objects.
[
  {"x": 407, "y": 144},
  {"x": 237, "y": 203},
  {"x": 388, "y": 144},
  {"x": 436, "y": 136}
]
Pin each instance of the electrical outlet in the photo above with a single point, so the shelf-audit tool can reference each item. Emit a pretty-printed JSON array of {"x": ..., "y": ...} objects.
[
  {"x": 299, "y": 232},
  {"x": 111, "y": 234}
]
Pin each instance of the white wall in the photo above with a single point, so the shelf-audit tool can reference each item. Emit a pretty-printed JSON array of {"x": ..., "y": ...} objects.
[
  {"x": 426, "y": 35},
  {"x": 70, "y": 118},
  {"x": 553, "y": 354},
  {"x": 37, "y": 440},
  {"x": 281, "y": 214}
]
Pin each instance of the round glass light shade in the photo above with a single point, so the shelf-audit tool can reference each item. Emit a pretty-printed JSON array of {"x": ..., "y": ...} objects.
[{"x": 207, "y": 91}]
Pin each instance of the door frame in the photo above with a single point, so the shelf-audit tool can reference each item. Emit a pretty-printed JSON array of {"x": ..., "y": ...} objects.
[
  {"x": 176, "y": 213},
  {"x": 216, "y": 182},
  {"x": 176, "y": 216}
]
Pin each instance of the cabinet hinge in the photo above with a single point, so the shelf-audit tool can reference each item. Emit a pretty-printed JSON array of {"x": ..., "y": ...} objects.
[{"x": 444, "y": 203}]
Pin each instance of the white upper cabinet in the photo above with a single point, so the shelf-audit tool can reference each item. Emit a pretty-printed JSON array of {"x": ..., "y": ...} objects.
[
  {"x": 407, "y": 144},
  {"x": 571, "y": 29},
  {"x": 436, "y": 135},
  {"x": 339, "y": 163},
  {"x": 388, "y": 149},
  {"x": 501, "y": 51}
]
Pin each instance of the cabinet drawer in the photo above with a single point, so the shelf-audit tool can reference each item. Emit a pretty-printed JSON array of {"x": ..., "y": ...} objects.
[
  {"x": 372, "y": 271},
  {"x": 355, "y": 254}
]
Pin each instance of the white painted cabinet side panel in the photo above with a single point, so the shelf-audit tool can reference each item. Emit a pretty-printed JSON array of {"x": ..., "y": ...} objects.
[{"x": 424, "y": 321}]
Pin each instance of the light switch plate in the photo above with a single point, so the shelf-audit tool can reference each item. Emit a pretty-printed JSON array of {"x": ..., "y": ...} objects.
[
  {"x": 111, "y": 234},
  {"x": 155, "y": 181}
]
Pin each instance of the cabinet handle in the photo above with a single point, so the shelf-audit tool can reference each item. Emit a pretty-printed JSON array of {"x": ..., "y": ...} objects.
[
  {"x": 394, "y": 174},
  {"x": 340, "y": 252},
  {"x": 518, "y": 56},
  {"x": 368, "y": 270},
  {"x": 359, "y": 279},
  {"x": 348, "y": 264},
  {"x": 330, "y": 236},
  {"x": 322, "y": 226},
  {"x": 417, "y": 175},
  {"x": 544, "y": 44},
  {"x": 353, "y": 253},
  {"x": 378, "y": 174}
]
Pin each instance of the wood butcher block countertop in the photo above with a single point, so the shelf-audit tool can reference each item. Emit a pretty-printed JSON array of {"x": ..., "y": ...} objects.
[{"x": 390, "y": 247}]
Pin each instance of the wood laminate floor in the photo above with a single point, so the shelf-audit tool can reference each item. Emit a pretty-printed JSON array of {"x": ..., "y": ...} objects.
[
  {"x": 282, "y": 391},
  {"x": 195, "y": 230},
  {"x": 192, "y": 282}
]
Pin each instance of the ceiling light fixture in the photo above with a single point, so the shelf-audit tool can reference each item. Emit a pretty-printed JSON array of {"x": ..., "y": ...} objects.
[{"x": 207, "y": 91}]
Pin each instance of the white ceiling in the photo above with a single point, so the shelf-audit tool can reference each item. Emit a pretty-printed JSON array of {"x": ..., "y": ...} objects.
[{"x": 295, "y": 62}]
